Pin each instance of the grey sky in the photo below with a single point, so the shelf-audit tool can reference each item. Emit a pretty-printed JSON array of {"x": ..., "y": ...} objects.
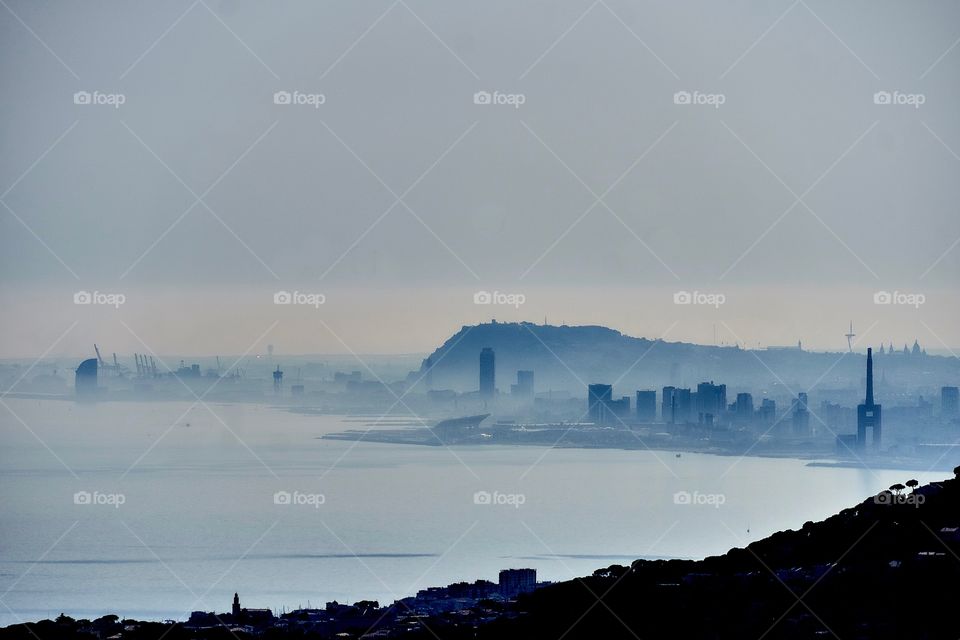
[{"x": 299, "y": 196}]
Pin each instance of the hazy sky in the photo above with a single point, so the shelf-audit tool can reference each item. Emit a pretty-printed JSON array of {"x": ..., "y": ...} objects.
[{"x": 598, "y": 198}]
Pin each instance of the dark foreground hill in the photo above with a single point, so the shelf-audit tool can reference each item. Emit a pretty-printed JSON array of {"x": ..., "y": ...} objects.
[
  {"x": 568, "y": 357},
  {"x": 886, "y": 568}
]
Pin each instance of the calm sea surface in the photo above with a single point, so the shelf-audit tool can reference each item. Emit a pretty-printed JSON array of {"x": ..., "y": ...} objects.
[{"x": 187, "y": 506}]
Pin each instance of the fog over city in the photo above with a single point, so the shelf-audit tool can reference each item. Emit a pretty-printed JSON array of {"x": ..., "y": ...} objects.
[{"x": 425, "y": 320}]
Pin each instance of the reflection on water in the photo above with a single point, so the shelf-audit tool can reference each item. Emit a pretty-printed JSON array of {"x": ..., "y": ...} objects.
[{"x": 248, "y": 498}]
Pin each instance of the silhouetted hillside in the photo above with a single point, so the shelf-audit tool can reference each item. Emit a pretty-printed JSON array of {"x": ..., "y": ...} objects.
[
  {"x": 567, "y": 357},
  {"x": 876, "y": 570}
]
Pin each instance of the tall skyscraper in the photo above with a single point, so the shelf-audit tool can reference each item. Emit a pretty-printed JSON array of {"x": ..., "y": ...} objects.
[
  {"x": 646, "y": 406},
  {"x": 868, "y": 413},
  {"x": 801, "y": 415},
  {"x": 488, "y": 367},
  {"x": 599, "y": 397},
  {"x": 743, "y": 407},
  {"x": 711, "y": 400},
  {"x": 667, "y": 404}
]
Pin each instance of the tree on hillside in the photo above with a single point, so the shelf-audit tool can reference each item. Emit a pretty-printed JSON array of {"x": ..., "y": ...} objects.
[{"x": 913, "y": 484}]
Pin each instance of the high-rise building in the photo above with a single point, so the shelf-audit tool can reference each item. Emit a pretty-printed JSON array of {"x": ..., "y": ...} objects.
[
  {"x": 949, "y": 402},
  {"x": 667, "y": 407},
  {"x": 599, "y": 397},
  {"x": 711, "y": 401},
  {"x": 646, "y": 406},
  {"x": 488, "y": 368},
  {"x": 516, "y": 581},
  {"x": 618, "y": 409},
  {"x": 768, "y": 412},
  {"x": 676, "y": 405},
  {"x": 524, "y": 386},
  {"x": 743, "y": 407},
  {"x": 801, "y": 415},
  {"x": 868, "y": 413}
]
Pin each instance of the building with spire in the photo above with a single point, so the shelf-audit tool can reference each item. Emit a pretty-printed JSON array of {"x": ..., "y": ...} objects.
[{"x": 868, "y": 413}]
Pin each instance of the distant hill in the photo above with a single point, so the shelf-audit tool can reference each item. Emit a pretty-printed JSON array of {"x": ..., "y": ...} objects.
[{"x": 568, "y": 357}]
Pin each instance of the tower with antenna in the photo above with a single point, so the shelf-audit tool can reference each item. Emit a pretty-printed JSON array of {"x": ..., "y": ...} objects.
[{"x": 850, "y": 335}]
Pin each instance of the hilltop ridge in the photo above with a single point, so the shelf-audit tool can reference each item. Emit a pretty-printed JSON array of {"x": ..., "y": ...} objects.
[{"x": 568, "y": 357}]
